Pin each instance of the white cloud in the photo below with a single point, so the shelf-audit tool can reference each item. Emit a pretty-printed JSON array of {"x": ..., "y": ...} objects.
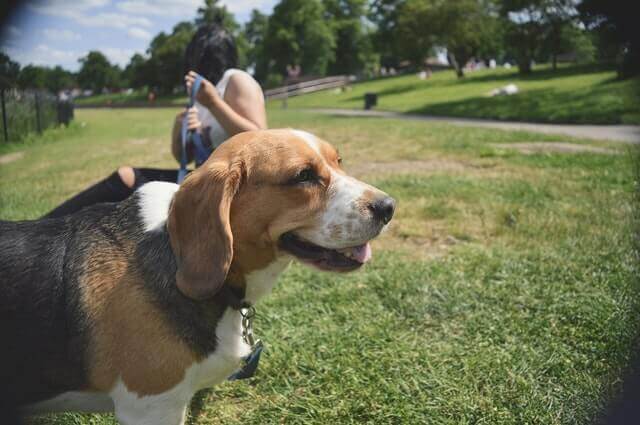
[
  {"x": 245, "y": 6},
  {"x": 14, "y": 31},
  {"x": 45, "y": 55},
  {"x": 136, "y": 32},
  {"x": 113, "y": 20},
  {"x": 66, "y": 8},
  {"x": 60, "y": 35},
  {"x": 188, "y": 8},
  {"x": 160, "y": 7},
  {"x": 83, "y": 13},
  {"x": 117, "y": 55}
]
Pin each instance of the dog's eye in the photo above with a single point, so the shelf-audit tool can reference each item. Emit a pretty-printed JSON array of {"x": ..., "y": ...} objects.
[
  {"x": 340, "y": 160},
  {"x": 305, "y": 176}
]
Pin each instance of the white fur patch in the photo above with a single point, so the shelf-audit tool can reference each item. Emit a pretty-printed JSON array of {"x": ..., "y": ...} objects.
[
  {"x": 261, "y": 282},
  {"x": 169, "y": 407},
  {"x": 310, "y": 139},
  {"x": 73, "y": 401},
  {"x": 154, "y": 201}
]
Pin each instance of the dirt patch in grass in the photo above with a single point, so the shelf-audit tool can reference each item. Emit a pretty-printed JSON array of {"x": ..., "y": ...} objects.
[
  {"x": 530, "y": 148},
  {"x": 10, "y": 157},
  {"x": 408, "y": 166},
  {"x": 139, "y": 141}
]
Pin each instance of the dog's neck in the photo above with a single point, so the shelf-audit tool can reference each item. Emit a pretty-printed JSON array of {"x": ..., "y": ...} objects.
[{"x": 256, "y": 283}]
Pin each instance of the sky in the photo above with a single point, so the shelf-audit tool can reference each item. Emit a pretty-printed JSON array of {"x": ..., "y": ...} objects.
[{"x": 58, "y": 32}]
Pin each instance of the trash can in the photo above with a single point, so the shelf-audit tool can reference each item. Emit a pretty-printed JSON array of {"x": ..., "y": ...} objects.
[
  {"x": 370, "y": 100},
  {"x": 65, "y": 112}
]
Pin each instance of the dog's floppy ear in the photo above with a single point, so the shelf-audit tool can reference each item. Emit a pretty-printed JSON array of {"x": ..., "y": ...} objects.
[{"x": 200, "y": 231}]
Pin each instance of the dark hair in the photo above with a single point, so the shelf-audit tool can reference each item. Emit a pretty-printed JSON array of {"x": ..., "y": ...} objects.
[{"x": 211, "y": 52}]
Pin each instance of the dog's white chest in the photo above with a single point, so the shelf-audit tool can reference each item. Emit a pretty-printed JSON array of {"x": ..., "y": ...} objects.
[{"x": 226, "y": 359}]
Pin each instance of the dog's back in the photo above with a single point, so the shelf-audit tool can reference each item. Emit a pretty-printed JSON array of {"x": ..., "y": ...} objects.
[{"x": 39, "y": 309}]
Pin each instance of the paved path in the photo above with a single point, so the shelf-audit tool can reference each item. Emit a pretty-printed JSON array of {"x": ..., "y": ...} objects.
[{"x": 617, "y": 133}]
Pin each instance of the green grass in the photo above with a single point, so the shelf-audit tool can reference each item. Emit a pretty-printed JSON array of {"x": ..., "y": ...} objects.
[
  {"x": 575, "y": 94},
  {"x": 137, "y": 97},
  {"x": 504, "y": 292}
]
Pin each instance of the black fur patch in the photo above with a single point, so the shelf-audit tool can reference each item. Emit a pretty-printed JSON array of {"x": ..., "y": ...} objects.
[{"x": 44, "y": 329}]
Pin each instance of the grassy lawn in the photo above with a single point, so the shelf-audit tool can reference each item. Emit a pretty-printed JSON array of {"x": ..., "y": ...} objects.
[
  {"x": 139, "y": 97},
  {"x": 505, "y": 291},
  {"x": 577, "y": 94}
]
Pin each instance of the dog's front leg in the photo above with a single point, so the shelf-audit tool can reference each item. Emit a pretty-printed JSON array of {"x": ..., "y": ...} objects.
[{"x": 167, "y": 408}]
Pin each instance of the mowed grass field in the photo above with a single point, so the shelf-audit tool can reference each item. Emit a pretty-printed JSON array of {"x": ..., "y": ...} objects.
[
  {"x": 504, "y": 292},
  {"x": 572, "y": 94}
]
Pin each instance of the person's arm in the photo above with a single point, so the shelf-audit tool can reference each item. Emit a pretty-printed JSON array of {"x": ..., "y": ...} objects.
[
  {"x": 242, "y": 108},
  {"x": 176, "y": 133}
]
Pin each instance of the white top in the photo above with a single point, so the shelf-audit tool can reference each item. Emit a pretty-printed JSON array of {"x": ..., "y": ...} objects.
[{"x": 217, "y": 134}]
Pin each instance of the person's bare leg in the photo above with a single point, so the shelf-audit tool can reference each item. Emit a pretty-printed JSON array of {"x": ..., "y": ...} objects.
[{"x": 127, "y": 175}]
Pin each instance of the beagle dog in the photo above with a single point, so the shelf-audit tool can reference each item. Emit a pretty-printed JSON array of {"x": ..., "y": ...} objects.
[{"x": 132, "y": 307}]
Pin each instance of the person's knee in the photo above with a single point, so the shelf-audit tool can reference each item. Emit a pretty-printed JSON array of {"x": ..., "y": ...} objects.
[{"x": 127, "y": 175}]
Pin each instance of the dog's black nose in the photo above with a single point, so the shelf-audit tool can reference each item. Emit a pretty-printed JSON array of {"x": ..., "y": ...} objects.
[{"x": 383, "y": 208}]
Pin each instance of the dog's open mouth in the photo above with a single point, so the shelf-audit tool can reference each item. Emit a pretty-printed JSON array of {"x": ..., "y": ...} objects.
[{"x": 341, "y": 260}]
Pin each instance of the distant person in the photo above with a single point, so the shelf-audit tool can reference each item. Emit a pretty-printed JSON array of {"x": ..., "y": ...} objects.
[{"x": 234, "y": 104}]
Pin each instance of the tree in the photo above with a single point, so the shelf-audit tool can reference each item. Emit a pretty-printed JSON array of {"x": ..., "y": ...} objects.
[
  {"x": 9, "y": 71},
  {"x": 417, "y": 30},
  {"x": 32, "y": 77},
  {"x": 465, "y": 27},
  {"x": 353, "y": 49},
  {"x": 299, "y": 35},
  {"x": 529, "y": 23},
  {"x": 212, "y": 13},
  {"x": 255, "y": 33},
  {"x": 136, "y": 73},
  {"x": 57, "y": 79},
  {"x": 165, "y": 68},
  {"x": 96, "y": 73},
  {"x": 618, "y": 30},
  {"x": 384, "y": 15}
]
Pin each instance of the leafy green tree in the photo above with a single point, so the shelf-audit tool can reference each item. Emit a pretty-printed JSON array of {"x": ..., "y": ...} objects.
[
  {"x": 136, "y": 72},
  {"x": 255, "y": 33},
  {"x": 417, "y": 30},
  {"x": 165, "y": 68},
  {"x": 465, "y": 27},
  {"x": 96, "y": 73},
  {"x": 57, "y": 79},
  {"x": 32, "y": 77},
  {"x": 384, "y": 15},
  {"x": 353, "y": 49},
  {"x": 618, "y": 31},
  {"x": 9, "y": 71},
  {"x": 214, "y": 13},
  {"x": 298, "y": 34},
  {"x": 529, "y": 24}
]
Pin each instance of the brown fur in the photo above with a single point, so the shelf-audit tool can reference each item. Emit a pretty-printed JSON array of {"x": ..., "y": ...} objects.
[
  {"x": 130, "y": 338},
  {"x": 223, "y": 223}
]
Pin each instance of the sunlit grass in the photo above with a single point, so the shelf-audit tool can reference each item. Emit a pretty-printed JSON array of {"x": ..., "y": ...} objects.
[
  {"x": 576, "y": 94},
  {"x": 504, "y": 292}
]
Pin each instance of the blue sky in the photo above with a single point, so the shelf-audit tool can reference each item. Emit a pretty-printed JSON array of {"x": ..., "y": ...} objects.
[{"x": 58, "y": 32}]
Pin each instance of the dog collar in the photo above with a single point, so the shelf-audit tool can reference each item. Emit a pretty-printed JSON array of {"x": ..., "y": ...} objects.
[{"x": 233, "y": 299}]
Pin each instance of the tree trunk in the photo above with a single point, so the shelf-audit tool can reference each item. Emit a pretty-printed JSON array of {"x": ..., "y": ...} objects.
[
  {"x": 524, "y": 65},
  {"x": 456, "y": 66},
  {"x": 554, "y": 61}
]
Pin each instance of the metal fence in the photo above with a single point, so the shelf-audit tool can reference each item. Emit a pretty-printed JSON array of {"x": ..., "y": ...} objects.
[
  {"x": 28, "y": 111},
  {"x": 307, "y": 87}
]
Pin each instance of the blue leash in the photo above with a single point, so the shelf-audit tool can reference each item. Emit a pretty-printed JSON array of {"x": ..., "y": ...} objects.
[
  {"x": 250, "y": 363},
  {"x": 201, "y": 152}
]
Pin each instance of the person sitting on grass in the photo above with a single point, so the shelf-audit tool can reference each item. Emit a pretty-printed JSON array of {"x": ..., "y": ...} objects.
[{"x": 233, "y": 105}]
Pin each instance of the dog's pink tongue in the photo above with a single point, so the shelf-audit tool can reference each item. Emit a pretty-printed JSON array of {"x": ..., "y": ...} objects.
[{"x": 361, "y": 253}]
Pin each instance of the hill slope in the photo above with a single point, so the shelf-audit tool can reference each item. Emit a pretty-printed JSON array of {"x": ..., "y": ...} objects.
[{"x": 576, "y": 94}]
